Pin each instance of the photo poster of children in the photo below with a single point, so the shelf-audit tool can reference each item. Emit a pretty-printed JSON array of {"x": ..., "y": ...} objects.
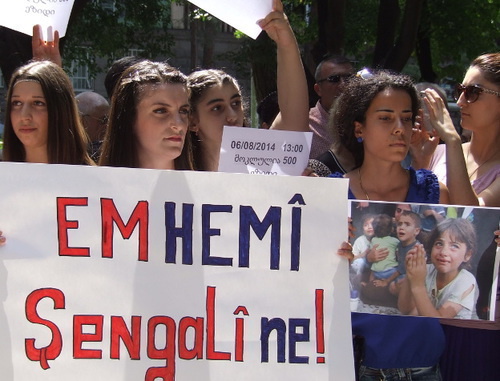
[{"x": 424, "y": 260}]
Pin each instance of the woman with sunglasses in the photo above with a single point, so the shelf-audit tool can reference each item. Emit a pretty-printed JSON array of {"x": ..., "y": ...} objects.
[
  {"x": 472, "y": 173},
  {"x": 471, "y": 170}
]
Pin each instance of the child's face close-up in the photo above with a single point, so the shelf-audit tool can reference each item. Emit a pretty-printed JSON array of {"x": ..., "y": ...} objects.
[
  {"x": 406, "y": 230},
  {"x": 448, "y": 254},
  {"x": 368, "y": 228}
]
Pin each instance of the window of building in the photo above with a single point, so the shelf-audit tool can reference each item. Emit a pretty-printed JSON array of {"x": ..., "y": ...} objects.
[
  {"x": 80, "y": 78},
  {"x": 178, "y": 16},
  {"x": 135, "y": 52}
]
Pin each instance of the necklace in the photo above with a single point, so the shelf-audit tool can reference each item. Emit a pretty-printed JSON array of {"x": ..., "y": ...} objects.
[
  {"x": 361, "y": 185},
  {"x": 480, "y": 165}
]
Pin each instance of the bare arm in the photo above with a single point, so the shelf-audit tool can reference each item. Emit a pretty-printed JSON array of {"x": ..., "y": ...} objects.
[
  {"x": 293, "y": 96},
  {"x": 375, "y": 254},
  {"x": 405, "y": 299}
]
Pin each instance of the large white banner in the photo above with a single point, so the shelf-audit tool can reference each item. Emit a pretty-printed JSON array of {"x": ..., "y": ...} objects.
[{"x": 129, "y": 274}]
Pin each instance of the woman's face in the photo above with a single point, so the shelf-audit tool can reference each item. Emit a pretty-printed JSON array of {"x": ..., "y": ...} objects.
[
  {"x": 29, "y": 114},
  {"x": 388, "y": 125},
  {"x": 447, "y": 254},
  {"x": 220, "y": 106},
  {"x": 484, "y": 113},
  {"x": 161, "y": 124}
]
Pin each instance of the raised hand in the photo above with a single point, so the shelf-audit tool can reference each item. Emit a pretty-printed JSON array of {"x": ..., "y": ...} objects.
[{"x": 45, "y": 50}]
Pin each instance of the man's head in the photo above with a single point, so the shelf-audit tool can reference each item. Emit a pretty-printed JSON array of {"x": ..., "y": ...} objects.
[
  {"x": 94, "y": 111},
  {"x": 330, "y": 76}
]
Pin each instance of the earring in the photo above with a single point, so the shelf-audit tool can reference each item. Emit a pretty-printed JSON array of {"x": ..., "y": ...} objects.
[{"x": 359, "y": 139}]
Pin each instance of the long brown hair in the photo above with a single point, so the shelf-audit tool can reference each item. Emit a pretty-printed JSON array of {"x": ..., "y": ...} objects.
[
  {"x": 199, "y": 82},
  {"x": 120, "y": 145},
  {"x": 66, "y": 140}
]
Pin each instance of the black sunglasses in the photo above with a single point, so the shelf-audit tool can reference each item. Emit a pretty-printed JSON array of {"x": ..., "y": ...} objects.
[
  {"x": 471, "y": 92},
  {"x": 336, "y": 78}
]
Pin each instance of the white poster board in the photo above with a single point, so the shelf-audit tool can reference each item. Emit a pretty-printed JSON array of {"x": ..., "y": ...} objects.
[
  {"x": 240, "y": 14},
  {"x": 22, "y": 15},
  {"x": 219, "y": 276},
  {"x": 264, "y": 152}
]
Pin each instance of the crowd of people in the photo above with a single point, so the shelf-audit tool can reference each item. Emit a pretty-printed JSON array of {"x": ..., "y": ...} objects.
[{"x": 367, "y": 127}]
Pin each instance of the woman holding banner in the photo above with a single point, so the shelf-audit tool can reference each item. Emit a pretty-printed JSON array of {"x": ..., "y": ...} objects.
[
  {"x": 42, "y": 124},
  {"x": 149, "y": 119},
  {"x": 375, "y": 116},
  {"x": 216, "y": 98}
]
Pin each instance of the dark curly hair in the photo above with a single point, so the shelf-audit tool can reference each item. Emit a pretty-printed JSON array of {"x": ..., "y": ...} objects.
[{"x": 357, "y": 97}]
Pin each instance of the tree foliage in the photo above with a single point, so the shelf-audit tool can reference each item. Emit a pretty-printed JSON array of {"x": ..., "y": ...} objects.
[
  {"x": 428, "y": 39},
  {"x": 111, "y": 31}
]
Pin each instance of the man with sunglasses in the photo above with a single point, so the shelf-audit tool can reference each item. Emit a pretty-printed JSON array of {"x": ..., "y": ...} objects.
[{"x": 330, "y": 75}]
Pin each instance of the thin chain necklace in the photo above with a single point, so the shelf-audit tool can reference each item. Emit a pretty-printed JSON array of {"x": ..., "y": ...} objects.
[
  {"x": 480, "y": 165},
  {"x": 361, "y": 185}
]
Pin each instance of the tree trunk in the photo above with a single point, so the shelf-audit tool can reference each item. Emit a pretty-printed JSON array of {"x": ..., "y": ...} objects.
[
  {"x": 423, "y": 47},
  {"x": 405, "y": 44},
  {"x": 210, "y": 29},
  {"x": 330, "y": 16},
  {"x": 263, "y": 63},
  {"x": 336, "y": 26},
  {"x": 387, "y": 21}
]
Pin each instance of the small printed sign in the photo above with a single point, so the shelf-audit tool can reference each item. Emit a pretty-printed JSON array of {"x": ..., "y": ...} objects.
[{"x": 264, "y": 152}]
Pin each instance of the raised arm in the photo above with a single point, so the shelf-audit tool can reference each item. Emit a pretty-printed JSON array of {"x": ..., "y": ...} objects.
[
  {"x": 293, "y": 97},
  {"x": 457, "y": 177}
]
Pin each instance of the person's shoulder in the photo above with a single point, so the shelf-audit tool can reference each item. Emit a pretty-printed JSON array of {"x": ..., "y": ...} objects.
[
  {"x": 394, "y": 240},
  {"x": 336, "y": 175},
  {"x": 467, "y": 276},
  {"x": 424, "y": 186}
]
